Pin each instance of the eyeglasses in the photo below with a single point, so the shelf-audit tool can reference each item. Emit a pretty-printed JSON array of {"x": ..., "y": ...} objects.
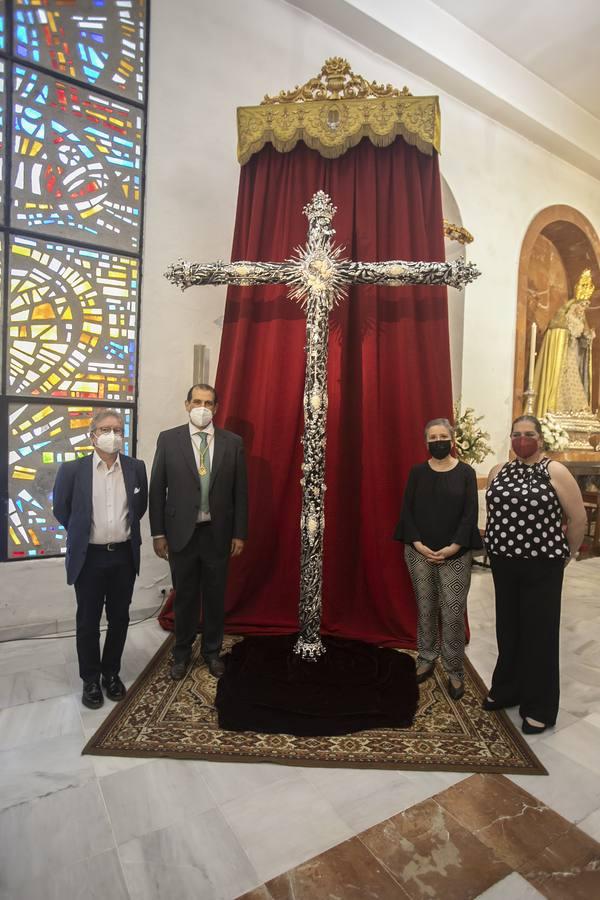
[
  {"x": 530, "y": 434},
  {"x": 106, "y": 430}
]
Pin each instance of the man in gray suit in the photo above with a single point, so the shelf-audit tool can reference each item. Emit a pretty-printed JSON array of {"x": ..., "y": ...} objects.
[{"x": 198, "y": 519}]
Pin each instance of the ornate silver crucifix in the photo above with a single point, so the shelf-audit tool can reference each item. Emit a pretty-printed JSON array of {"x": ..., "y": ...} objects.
[{"x": 318, "y": 277}]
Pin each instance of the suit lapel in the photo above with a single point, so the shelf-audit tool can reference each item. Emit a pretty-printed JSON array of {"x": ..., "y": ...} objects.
[
  {"x": 87, "y": 481},
  {"x": 185, "y": 443},
  {"x": 217, "y": 455},
  {"x": 87, "y": 464},
  {"x": 127, "y": 470}
]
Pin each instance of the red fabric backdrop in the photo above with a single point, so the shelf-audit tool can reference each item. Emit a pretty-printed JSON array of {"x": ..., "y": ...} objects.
[{"x": 389, "y": 372}]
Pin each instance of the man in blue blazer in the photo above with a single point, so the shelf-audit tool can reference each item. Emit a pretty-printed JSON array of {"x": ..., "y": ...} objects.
[{"x": 100, "y": 499}]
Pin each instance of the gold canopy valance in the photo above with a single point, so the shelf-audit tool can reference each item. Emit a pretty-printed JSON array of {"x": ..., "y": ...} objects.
[{"x": 334, "y": 111}]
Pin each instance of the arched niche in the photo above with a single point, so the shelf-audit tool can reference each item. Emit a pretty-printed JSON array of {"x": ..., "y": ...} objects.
[
  {"x": 560, "y": 242},
  {"x": 456, "y": 298}
]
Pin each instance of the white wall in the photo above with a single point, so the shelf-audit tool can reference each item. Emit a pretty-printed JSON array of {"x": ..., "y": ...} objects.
[
  {"x": 206, "y": 59},
  {"x": 456, "y": 298},
  {"x": 235, "y": 55}
]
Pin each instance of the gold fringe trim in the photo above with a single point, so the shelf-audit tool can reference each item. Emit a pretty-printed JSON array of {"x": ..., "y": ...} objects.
[{"x": 332, "y": 127}]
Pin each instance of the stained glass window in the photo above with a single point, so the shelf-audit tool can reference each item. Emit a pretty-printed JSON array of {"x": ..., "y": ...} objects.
[
  {"x": 1, "y": 304},
  {"x": 76, "y": 166},
  {"x": 97, "y": 41},
  {"x": 41, "y": 437},
  {"x": 2, "y": 108},
  {"x": 72, "y": 322},
  {"x": 73, "y": 74}
]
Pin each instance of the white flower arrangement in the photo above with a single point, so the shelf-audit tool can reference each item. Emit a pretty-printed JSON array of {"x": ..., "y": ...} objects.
[
  {"x": 555, "y": 436},
  {"x": 470, "y": 440}
]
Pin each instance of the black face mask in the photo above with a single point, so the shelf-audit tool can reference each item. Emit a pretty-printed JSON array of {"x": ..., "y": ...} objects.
[{"x": 439, "y": 449}]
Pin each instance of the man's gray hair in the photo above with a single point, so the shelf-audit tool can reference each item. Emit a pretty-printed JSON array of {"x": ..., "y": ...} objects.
[
  {"x": 102, "y": 414},
  {"x": 444, "y": 423}
]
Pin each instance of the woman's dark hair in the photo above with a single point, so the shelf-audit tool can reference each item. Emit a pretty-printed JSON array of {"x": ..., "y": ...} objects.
[{"x": 535, "y": 422}]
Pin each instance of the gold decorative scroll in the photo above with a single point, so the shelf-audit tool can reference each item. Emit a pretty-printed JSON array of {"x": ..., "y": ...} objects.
[
  {"x": 337, "y": 81},
  {"x": 457, "y": 233},
  {"x": 335, "y": 111}
]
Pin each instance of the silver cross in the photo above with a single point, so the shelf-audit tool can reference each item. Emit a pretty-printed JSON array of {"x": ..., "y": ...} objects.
[{"x": 318, "y": 277}]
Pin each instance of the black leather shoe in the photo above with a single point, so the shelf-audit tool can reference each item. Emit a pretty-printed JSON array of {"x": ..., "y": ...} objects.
[
  {"x": 216, "y": 666},
  {"x": 114, "y": 687},
  {"x": 179, "y": 669},
  {"x": 456, "y": 692},
  {"x": 528, "y": 728},
  {"x": 92, "y": 696},
  {"x": 426, "y": 674}
]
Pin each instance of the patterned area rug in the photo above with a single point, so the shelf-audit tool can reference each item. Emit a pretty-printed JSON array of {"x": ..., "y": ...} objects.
[{"x": 177, "y": 719}]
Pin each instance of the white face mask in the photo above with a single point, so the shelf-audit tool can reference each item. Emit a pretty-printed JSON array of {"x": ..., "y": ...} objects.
[
  {"x": 109, "y": 442},
  {"x": 200, "y": 416}
]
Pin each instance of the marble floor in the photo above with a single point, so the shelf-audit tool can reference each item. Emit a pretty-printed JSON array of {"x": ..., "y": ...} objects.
[
  {"x": 100, "y": 827},
  {"x": 483, "y": 837}
]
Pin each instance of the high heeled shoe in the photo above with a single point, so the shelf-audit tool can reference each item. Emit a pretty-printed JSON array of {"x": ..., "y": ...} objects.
[
  {"x": 491, "y": 705},
  {"x": 425, "y": 674},
  {"x": 528, "y": 728},
  {"x": 456, "y": 692}
]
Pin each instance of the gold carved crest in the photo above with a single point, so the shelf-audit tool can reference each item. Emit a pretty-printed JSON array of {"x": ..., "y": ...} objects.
[{"x": 334, "y": 111}]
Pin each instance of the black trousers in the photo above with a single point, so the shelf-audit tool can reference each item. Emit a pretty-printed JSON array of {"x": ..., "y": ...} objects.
[
  {"x": 200, "y": 578},
  {"x": 528, "y": 596},
  {"x": 106, "y": 579}
]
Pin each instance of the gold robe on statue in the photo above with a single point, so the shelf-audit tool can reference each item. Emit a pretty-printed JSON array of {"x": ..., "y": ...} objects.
[{"x": 563, "y": 369}]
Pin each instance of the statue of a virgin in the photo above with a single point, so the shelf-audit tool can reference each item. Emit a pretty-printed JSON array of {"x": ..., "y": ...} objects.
[{"x": 563, "y": 371}]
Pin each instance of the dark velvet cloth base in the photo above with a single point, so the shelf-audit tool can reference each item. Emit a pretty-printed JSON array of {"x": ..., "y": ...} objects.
[{"x": 353, "y": 687}]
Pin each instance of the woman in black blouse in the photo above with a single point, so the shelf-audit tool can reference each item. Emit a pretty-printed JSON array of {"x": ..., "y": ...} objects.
[
  {"x": 438, "y": 525},
  {"x": 527, "y": 501}
]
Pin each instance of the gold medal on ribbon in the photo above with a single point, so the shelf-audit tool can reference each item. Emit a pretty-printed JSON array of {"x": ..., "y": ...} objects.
[{"x": 202, "y": 451}]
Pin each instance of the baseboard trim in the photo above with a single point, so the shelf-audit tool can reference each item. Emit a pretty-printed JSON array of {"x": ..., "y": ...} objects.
[{"x": 55, "y": 627}]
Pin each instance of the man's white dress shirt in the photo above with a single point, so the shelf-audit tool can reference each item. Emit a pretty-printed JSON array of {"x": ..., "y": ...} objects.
[{"x": 110, "y": 510}]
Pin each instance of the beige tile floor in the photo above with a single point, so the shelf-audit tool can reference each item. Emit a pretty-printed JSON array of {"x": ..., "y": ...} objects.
[{"x": 98, "y": 827}]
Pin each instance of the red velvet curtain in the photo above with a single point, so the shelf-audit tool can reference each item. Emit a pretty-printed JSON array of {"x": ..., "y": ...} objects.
[{"x": 389, "y": 372}]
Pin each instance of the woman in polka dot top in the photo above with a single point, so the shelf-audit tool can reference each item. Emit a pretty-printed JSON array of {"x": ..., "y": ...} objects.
[{"x": 529, "y": 500}]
